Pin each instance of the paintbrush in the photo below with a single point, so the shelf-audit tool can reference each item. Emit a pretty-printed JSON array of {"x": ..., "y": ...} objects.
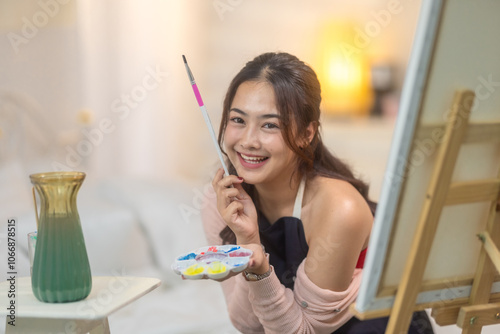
[{"x": 205, "y": 114}]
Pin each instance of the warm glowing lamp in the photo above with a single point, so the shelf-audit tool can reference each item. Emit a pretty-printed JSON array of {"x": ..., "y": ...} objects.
[{"x": 344, "y": 72}]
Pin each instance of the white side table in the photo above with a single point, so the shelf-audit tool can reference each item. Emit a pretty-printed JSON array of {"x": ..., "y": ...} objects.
[{"x": 86, "y": 316}]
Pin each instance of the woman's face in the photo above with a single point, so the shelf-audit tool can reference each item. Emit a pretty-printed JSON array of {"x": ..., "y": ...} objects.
[{"x": 253, "y": 140}]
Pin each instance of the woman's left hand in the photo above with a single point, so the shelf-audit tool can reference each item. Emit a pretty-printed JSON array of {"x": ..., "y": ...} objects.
[{"x": 258, "y": 264}]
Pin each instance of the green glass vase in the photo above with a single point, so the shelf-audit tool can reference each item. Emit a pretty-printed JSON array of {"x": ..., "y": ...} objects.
[{"x": 61, "y": 270}]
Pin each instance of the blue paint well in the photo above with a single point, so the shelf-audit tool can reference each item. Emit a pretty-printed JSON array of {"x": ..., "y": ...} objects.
[
  {"x": 190, "y": 256},
  {"x": 232, "y": 249}
]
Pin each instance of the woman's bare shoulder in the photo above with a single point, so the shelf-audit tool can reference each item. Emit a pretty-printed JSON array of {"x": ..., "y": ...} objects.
[
  {"x": 327, "y": 193},
  {"x": 335, "y": 206},
  {"x": 338, "y": 225}
]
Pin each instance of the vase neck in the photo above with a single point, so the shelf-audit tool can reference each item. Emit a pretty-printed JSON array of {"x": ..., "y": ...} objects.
[{"x": 57, "y": 192}]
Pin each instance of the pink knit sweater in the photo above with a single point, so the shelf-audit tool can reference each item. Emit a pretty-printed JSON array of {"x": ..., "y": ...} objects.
[{"x": 266, "y": 306}]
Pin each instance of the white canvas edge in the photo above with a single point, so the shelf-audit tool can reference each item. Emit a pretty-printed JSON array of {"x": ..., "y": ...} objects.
[{"x": 411, "y": 99}]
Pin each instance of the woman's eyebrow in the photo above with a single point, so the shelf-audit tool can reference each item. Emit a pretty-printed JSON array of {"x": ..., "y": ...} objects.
[{"x": 265, "y": 116}]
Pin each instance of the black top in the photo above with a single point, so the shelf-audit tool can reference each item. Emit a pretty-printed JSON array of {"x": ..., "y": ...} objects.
[
  {"x": 287, "y": 247},
  {"x": 286, "y": 244}
]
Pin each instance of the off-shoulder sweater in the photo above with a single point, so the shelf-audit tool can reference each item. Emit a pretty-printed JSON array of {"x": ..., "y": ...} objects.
[{"x": 267, "y": 306}]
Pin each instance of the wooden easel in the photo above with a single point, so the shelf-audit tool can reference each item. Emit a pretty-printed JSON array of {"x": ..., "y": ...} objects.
[{"x": 479, "y": 312}]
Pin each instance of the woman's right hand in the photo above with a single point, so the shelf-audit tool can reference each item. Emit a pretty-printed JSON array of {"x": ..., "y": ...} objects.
[{"x": 236, "y": 207}]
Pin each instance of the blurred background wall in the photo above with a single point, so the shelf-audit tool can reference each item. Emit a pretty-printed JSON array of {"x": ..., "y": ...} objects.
[
  {"x": 100, "y": 87},
  {"x": 106, "y": 91}
]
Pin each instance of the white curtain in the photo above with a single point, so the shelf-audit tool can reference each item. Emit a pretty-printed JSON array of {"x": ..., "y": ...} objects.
[{"x": 134, "y": 82}]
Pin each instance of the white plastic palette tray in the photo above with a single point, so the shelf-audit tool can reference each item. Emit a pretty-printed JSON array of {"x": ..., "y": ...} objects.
[{"x": 214, "y": 262}]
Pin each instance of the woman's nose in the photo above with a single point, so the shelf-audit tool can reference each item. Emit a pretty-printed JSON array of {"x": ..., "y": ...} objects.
[{"x": 250, "y": 139}]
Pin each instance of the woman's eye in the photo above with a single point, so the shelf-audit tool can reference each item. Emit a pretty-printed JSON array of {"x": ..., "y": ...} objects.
[
  {"x": 271, "y": 126},
  {"x": 236, "y": 120}
]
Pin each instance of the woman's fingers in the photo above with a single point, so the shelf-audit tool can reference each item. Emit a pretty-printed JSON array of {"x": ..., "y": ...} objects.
[
  {"x": 228, "y": 190},
  {"x": 220, "y": 181},
  {"x": 228, "y": 181},
  {"x": 226, "y": 187},
  {"x": 242, "y": 194},
  {"x": 225, "y": 197},
  {"x": 230, "y": 193},
  {"x": 258, "y": 261},
  {"x": 232, "y": 211},
  {"x": 235, "y": 206},
  {"x": 218, "y": 176}
]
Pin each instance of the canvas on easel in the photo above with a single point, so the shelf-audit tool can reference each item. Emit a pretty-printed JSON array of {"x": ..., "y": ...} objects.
[{"x": 442, "y": 181}]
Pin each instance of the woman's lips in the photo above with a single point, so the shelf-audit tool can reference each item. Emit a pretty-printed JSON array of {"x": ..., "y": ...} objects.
[{"x": 251, "y": 161}]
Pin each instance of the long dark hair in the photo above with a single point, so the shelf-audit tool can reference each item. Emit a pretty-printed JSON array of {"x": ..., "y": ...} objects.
[{"x": 298, "y": 97}]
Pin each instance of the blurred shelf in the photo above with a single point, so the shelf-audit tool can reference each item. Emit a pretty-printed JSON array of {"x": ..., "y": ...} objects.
[{"x": 363, "y": 143}]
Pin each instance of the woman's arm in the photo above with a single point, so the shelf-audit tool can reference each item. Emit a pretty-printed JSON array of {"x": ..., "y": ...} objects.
[
  {"x": 235, "y": 288},
  {"x": 306, "y": 309},
  {"x": 337, "y": 231}
]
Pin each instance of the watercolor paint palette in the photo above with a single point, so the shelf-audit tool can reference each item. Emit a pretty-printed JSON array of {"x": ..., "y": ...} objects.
[{"x": 214, "y": 262}]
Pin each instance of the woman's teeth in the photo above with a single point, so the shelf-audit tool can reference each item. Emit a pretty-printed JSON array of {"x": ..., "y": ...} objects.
[{"x": 252, "y": 160}]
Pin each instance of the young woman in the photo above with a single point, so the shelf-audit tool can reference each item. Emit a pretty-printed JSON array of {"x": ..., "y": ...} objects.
[{"x": 299, "y": 208}]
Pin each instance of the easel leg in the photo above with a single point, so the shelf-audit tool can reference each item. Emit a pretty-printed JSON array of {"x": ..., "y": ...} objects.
[
  {"x": 406, "y": 296},
  {"x": 485, "y": 272}
]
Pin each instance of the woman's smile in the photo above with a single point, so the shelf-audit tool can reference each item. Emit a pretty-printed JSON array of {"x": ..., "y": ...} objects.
[{"x": 252, "y": 161}]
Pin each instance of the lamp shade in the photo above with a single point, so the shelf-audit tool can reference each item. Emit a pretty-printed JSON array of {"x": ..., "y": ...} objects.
[{"x": 344, "y": 72}]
